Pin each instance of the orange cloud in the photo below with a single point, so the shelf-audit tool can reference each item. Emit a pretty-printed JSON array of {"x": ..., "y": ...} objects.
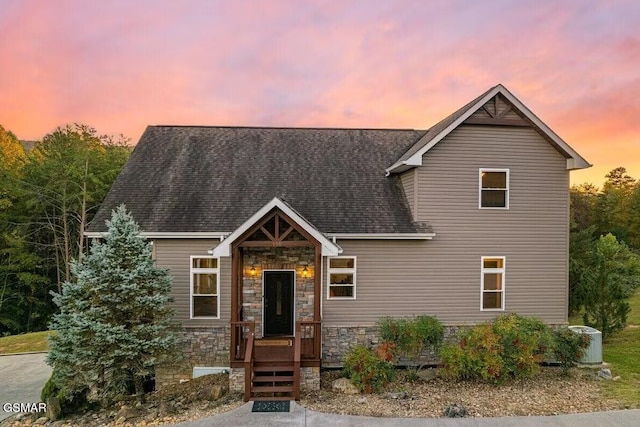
[{"x": 120, "y": 66}]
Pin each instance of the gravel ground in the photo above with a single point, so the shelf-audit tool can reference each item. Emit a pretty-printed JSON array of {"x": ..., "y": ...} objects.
[
  {"x": 549, "y": 393},
  {"x": 199, "y": 398}
]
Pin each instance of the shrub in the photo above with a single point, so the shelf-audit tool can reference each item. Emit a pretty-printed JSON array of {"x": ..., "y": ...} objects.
[
  {"x": 412, "y": 337},
  {"x": 525, "y": 342},
  {"x": 366, "y": 370},
  {"x": 569, "y": 347},
  {"x": 510, "y": 347},
  {"x": 476, "y": 356}
]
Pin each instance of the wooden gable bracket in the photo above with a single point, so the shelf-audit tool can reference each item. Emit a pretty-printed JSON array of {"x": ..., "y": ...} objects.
[
  {"x": 276, "y": 239},
  {"x": 497, "y": 117}
]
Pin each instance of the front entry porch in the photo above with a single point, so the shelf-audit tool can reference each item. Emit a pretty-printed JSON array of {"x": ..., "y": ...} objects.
[
  {"x": 275, "y": 300},
  {"x": 272, "y": 366}
]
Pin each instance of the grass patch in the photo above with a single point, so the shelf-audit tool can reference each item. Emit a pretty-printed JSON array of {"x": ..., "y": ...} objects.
[
  {"x": 23, "y": 343},
  {"x": 621, "y": 352},
  {"x": 576, "y": 319},
  {"x": 634, "y": 315}
]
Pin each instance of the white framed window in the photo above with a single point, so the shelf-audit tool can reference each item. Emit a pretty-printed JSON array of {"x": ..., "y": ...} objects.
[
  {"x": 205, "y": 287},
  {"x": 341, "y": 277},
  {"x": 492, "y": 283},
  {"x": 493, "y": 189}
]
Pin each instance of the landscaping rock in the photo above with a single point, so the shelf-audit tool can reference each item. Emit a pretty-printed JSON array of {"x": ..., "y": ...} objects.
[
  {"x": 428, "y": 374},
  {"x": 41, "y": 421},
  {"x": 166, "y": 408},
  {"x": 605, "y": 374},
  {"x": 344, "y": 386},
  {"x": 455, "y": 410},
  {"x": 53, "y": 408},
  {"x": 128, "y": 413},
  {"x": 217, "y": 391},
  {"x": 396, "y": 395}
]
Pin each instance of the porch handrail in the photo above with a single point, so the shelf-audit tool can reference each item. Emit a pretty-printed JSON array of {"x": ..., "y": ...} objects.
[
  {"x": 248, "y": 367},
  {"x": 309, "y": 330},
  {"x": 296, "y": 362},
  {"x": 239, "y": 340}
]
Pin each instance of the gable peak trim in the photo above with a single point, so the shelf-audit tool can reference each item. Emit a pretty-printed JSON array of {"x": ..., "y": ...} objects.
[
  {"x": 329, "y": 248},
  {"x": 575, "y": 161}
]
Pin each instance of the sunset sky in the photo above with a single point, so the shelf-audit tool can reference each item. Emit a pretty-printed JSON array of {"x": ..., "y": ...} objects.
[{"x": 121, "y": 65}]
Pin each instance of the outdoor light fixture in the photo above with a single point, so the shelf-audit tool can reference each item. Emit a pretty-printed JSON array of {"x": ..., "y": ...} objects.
[
  {"x": 305, "y": 271},
  {"x": 252, "y": 271}
]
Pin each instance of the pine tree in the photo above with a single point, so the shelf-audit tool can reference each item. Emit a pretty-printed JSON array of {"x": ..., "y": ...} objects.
[{"x": 114, "y": 324}]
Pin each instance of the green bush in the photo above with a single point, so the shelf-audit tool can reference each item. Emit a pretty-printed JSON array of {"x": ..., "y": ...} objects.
[
  {"x": 366, "y": 370},
  {"x": 525, "y": 343},
  {"x": 511, "y": 347},
  {"x": 569, "y": 347},
  {"x": 412, "y": 337},
  {"x": 476, "y": 356}
]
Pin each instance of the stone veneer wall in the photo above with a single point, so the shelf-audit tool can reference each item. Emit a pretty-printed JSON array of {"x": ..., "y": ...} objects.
[
  {"x": 277, "y": 259},
  {"x": 338, "y": 340},
  {"x": 309, "y": 379},
  {"x": 200, "y": 347}
]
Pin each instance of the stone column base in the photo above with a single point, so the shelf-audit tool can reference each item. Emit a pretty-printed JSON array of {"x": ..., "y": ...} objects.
[{"x": 309, "y": 379}]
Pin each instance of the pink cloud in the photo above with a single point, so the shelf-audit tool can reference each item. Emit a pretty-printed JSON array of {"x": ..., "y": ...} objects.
[{"x": 119, "y": 66}]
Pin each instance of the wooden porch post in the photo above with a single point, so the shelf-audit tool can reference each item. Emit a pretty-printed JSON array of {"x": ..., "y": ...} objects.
[
  {"x": 235, "y": 268},
  {"x": 317, "y": 279},
  {"x": 234, "y": 304}
]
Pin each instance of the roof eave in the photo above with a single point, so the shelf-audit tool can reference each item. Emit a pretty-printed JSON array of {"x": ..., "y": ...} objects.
[
  {"x": 577, "y": 163},
  {"x": 383, "y": 236},
  {"x": 402, "y": 166}
]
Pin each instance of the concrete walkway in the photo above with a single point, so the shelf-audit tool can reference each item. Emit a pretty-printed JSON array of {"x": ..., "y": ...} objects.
[
  {"x": 22, "y": 377},
  {"x": 299, "y": 416}
]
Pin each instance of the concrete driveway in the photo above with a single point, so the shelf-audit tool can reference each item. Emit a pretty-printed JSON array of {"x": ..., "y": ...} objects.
[{"x": 22, "y": 377}]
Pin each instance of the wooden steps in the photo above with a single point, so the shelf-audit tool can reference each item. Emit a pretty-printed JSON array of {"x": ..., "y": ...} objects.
[{"x": 272, "y": 376}]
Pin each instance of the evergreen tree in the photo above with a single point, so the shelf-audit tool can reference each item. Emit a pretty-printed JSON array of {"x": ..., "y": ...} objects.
[
  {"x": 612, "y": 276},
  {"x": 114, "y": 324}
]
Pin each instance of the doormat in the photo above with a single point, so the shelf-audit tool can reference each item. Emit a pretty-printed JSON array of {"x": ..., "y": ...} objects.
[{"x": 271, "y": 406}]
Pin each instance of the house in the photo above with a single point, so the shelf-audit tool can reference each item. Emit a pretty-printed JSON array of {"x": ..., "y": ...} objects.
[{"x": 286, "y": 244}]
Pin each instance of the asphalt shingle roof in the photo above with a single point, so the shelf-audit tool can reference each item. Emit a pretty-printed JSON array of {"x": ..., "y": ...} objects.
[{"x": 195, "y": 179}]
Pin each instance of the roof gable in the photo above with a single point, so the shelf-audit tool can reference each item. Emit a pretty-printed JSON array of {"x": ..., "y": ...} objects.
[
  {"x": 504, "y": 102},
  {"x": 328, "y": 247}
]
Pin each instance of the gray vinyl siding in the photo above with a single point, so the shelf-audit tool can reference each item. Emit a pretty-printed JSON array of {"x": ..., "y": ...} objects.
[
  {"x": 441, "y": 277},
  {"x": 408, "y": 186},
  {"x": 175, "y": 254}
]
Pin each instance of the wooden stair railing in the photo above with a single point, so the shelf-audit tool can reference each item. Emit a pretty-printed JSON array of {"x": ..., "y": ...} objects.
[
  {"x": 248, "y": 367},
  {"x": 239, "y": 335},
  {"x": 297, "y": 347}
]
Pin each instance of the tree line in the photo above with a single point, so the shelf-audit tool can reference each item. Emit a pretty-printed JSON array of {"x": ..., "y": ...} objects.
[
  {"x": 604, "y": 250},
  {"x": 48, "y": 195}
]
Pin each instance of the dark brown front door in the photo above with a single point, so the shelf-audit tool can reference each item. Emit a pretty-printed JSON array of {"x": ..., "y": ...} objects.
[{"x": 278, "y": 303}]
